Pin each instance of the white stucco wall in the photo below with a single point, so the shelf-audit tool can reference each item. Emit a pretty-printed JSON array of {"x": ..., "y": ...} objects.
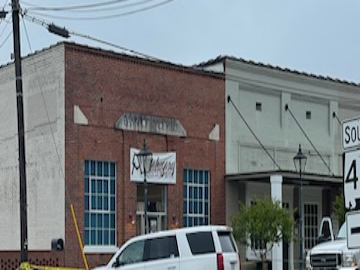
[
  {"x": 248, "y": 84},
  {"x": 43, "y": 90}
]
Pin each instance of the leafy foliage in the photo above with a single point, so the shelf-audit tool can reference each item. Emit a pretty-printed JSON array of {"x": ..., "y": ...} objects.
[
  {"x": 338, "y": 207},
  {"x": 265, "y": 222}
]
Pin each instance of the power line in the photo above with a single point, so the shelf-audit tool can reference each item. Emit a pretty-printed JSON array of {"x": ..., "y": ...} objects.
[
  {"x": 64, "y": 8},
  {"x": 89, "y": 9},
  {"x": 47, "y": 24},
  {"x": 7, "y": 23},
  {"x": 337, "y": 118},
  {"x": 307, "y": 137},
  {"x": 2, "y": 44},
  {"x": 253, "y": 133},
  {"x": 100, "y": 17}
]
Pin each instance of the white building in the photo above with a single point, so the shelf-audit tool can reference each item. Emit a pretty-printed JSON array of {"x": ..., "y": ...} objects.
[{"x": 269, "y": 112}]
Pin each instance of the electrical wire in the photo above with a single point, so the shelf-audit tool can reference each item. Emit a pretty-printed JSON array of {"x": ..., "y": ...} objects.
[
  {"x": 7, "y": 23},
  {"x": 252, "y": 132},
  {"x": 64, "y": 8},
  {"x": 44, "y": 102},
  {"x": 335, "y": 116},
  {"x": 307, "y": 137},
  {"x": 45, "y": 24},
  {"x": 2, "y": 44},
  {"x": 100, "y": 17},
  {"x": 90, "y": 9}
]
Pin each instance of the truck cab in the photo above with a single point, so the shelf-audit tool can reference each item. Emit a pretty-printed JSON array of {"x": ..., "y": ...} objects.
[{"x": 332, "y": 252}]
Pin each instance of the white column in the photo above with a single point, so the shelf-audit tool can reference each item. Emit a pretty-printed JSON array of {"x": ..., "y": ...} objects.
[{"x": 276, "y": 194}]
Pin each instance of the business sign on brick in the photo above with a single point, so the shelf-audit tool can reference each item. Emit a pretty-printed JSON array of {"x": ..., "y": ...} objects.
[{"x": 351, "y": 133}]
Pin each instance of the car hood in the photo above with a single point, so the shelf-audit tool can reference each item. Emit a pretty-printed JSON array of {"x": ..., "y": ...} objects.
[{"x": 330, "y": 247}]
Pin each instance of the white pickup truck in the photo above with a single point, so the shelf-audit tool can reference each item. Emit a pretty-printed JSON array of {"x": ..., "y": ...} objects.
[{"x": 332, "y": 252}]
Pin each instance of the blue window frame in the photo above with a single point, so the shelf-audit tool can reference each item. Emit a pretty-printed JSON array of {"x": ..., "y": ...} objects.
[
  {"x": 196, "y": 197},
  {"x": 99, "y": 204}
]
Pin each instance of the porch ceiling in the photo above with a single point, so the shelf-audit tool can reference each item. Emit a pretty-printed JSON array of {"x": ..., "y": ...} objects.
[{"x": 289, "y": 178}]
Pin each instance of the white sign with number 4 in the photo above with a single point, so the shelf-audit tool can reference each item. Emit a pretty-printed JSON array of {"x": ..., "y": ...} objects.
[{"x": 351, "y": 185}]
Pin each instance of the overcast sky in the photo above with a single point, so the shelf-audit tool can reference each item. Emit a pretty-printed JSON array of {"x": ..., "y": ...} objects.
[{"x": 320, "y": 37}]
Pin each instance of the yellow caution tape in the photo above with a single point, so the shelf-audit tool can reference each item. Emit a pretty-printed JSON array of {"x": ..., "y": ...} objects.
[{"x": 27, "y": 266}]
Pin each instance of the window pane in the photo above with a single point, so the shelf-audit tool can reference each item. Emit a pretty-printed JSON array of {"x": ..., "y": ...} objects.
[
  {"x": 99, "y": 221},
  {"x": 99, "y": 237},
  {"x": 112, "y": 203},
  {"x": 196, "y": 193},
  {"x": 112, "y": 187},
  {"x": 201, "y": 177},
  {"x": 106, "y": 186},
  {"x": 185, "y": 191},
  {"x": 196, "y": 177},
  {"x": 133, "y": 254},
  {"x": 112, "y": 221},
  {"x": 92, "y": 168},
  {"x": 87, "y": 237},
  {"x": 93, "y": 186},
  {"x": 201, "y": 243},
  {"x": 106, "y": 237},
  {"x": 112, "y": 237},
  {"x": 185, "y": 176},
  {"x": 99, "y": 186},
  {"x": 106, "y": 169},
  {"x": 87, "y": 170},
  {"x": 99, "y": 202},
  {"x": 106, "y": 203},
  {"x": 87, "y": 204},
  {"x": 86, "y": 188},
  {"x": 112, "y": 169},
  {"x": 99, "y": 169},
  {"x": 106, "y": 221},
  {"x": 93, "y": 221},
  {"x": 206, "y": 178},
  {"x": 93, "y": 237},
  {"x": 87, "y": 220},
  {"x": 184, "y": 207},
  {"x": 226, "y": 242}
]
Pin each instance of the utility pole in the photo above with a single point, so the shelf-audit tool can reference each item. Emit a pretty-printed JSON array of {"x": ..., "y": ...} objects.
[{"x": 21, "y": 132}]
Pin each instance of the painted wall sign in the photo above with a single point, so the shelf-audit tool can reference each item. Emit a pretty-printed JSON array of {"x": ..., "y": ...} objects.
[
  {"x": 163, "y": 168},
  {"x": 150, "y": 124}
]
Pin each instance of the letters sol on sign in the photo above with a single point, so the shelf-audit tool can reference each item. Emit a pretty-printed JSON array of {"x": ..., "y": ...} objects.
[{"x": 351, "y": 133}]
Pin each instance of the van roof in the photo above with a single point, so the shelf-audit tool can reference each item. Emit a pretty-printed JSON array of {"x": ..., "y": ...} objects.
[{"x": 202, "y": 228}]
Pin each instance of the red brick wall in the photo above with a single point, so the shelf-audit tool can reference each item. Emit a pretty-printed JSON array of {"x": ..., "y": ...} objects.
[
  {"x": 10, "y": 260},
  {"x": 105, "y": 86}
]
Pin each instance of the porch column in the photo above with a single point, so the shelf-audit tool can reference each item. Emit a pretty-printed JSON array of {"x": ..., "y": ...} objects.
[{"x": 276, "y": 194}]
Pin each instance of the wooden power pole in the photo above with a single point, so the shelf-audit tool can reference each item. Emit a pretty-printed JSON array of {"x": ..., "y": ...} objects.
[{"x": 21, "y": 132}]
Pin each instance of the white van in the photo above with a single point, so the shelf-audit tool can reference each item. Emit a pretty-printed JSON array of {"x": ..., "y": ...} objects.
[{"x": 202, "y": 247}]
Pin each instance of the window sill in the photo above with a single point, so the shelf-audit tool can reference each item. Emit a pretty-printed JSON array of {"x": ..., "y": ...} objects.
[{"x": 100, "y": 249}]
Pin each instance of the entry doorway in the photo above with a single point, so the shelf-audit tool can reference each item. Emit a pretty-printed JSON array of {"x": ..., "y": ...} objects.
[{"x": 156, "y": 208}]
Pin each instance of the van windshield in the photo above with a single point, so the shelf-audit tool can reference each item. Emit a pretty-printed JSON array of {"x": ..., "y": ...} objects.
[{"x": 342, "y": 232}]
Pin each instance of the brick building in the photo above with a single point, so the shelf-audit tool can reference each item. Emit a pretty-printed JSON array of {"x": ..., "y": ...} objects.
[{"x": 87, "y": 111}]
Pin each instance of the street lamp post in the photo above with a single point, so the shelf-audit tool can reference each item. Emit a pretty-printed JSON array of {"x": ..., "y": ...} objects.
[
  {"x": 144, "y": 158},
  {"x": 300, "y": 163}
]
